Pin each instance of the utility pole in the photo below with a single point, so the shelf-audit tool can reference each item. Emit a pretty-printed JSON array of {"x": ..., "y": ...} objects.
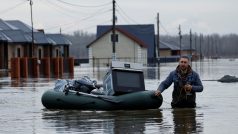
[
  {"x": 212, "y": 47},
  {"x": 158, "y": 46},
  {"x": 201, "y": 38},
  {"x": 208, "y": 47},
  {"x": 113, "y": 31},
  {"x": 32, "y": 33},
  {"x": 158, "y": 38},
  {"x": 195, "y": 44},
  {"x": 190, "y": 33},
  {"x": 180, "y": 41}
]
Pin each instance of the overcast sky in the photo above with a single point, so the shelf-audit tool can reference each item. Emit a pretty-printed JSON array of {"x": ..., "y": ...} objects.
[{"x": 202, "y": 16}]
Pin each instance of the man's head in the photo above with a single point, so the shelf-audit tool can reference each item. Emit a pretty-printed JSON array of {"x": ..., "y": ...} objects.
[{"x": 183, "y": 62}]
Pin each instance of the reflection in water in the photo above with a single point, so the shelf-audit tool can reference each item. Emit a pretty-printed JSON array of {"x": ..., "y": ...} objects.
[
  {"x": 186, "y": 121},
  {"x": 104, "y": 121}
]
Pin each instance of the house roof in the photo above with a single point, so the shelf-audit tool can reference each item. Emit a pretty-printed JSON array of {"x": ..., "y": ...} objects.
[
  {"x": 19, "y": 36},
  {"x": 3, "y": 37},
  {"x": 142, "y": 34},
  {"x": 59, "y": 39},
  {"x": 188, "y": 47},
  {"x": 5, "y": 26},
  {"x": 20, "y": 25},
  {"x": 173, "y": 46},
  {"x": 16, "y": 36},
  {"x": 164, "y": 45},
  {"x": 40, "y": 38}
]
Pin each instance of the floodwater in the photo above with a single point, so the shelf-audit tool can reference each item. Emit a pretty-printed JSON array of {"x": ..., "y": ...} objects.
[{"x": 21, "y": 111}]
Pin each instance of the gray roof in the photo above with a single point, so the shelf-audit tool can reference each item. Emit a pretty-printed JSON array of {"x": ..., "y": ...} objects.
[
  {"x": 3, "y": 37},
  {"x": 19, "y": 32},
  {"x": 16, "y": 36},
  {"x": 39, "y": 38},
  {"x": 20, "y": 25},
  {"x": 59, "y": 39},
  {"x": 5, "y": 26},
  {"x": 188, "y": 47},
  {"x": 164, "y": 45},
  {"x": 173, "y": 46}
]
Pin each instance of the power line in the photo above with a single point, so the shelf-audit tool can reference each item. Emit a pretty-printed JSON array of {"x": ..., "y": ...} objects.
[
  {"x": 61, "y": 9},
  {"x": 57, "y": 7},
  {"x": 127, "y": 18},
  {"x": 164, "y": 28},
  {"x": 13, "y": 7},
  {"x": 83, "y": 19},
  {"x": 87, "y": 6},
  {"x": 126, "y": 14},
  {"x": 89, "y": 27},
  {"x": 69, "y": 10}
]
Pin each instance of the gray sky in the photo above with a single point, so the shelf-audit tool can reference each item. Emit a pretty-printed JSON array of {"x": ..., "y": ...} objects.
[{"x": 202, "y": 16}]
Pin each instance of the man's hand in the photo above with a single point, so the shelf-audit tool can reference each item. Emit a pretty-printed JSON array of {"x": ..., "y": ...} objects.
[
  {"x": 188, "y": 88},
  {"x": 157, "y": 93}
]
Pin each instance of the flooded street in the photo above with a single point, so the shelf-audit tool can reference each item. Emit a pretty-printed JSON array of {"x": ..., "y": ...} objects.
[{"x": 21, "y": 111}]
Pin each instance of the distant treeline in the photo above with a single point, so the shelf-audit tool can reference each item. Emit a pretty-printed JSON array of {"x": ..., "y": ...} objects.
[
  {"x": 80, "y": 40},
  {"x": 213, "y": 45}
]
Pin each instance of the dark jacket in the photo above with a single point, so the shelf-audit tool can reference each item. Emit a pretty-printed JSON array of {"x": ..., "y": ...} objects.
[{"x": 180, "y": 97}]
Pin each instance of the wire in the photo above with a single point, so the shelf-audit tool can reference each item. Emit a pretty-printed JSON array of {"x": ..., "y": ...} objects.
[
  {"x": 13, "y": 7},
  {"x": 83, "y": 19},
  {"x": 77, "y": 5},
  {"x": 89, "y": 27},
  {"x": 69, "y": 10},
  {"x": 164, "y": 28},
  {"x": 142, "y": 29},
  {"x": 57, "y": 7},
  {"x": 126, "y": 14}
]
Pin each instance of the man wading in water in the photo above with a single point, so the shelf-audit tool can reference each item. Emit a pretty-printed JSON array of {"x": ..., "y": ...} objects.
[{"x": 186, "y": 83}]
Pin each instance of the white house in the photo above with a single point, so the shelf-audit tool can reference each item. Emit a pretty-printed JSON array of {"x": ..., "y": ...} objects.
[{"x": 132, "y": 44}]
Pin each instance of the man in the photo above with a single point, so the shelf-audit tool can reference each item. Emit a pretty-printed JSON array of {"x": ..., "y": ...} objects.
[{"x": 186, "y": 83}]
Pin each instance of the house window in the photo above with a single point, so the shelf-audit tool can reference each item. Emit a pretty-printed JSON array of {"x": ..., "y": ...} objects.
[
  {"x": 115, "y": 38},
  {"x": 18, "y": 52},
  {"x": 57, "y": 52},
  {"x": 39, "y": 54}
]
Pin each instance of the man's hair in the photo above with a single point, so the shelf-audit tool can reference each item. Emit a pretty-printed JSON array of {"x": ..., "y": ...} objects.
[{"x": 185, "y": 57}]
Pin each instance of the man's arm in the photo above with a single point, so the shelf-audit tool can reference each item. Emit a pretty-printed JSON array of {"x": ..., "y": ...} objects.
[
  {"x": 197, "y": 87},
  {"x": 166, "y": 83}
]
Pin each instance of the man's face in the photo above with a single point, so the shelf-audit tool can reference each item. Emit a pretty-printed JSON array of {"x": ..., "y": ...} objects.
[{"x": 183, "y": 63}]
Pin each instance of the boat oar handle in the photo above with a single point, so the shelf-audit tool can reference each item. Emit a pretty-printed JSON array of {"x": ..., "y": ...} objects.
[{"x": 103, "y": 97}]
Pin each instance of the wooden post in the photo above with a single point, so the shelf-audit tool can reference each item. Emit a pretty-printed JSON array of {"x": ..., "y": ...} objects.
[
  {"x": 61, "y": 67},
  {"x": 71, "y": 67},
  {"x": 45, "y": 67},
  {"x": 55, "y": 67},
  {"x": 24, "y": 67},
  {"x": 35, "y": 67},
  {"x": 15, "y": 68}
]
